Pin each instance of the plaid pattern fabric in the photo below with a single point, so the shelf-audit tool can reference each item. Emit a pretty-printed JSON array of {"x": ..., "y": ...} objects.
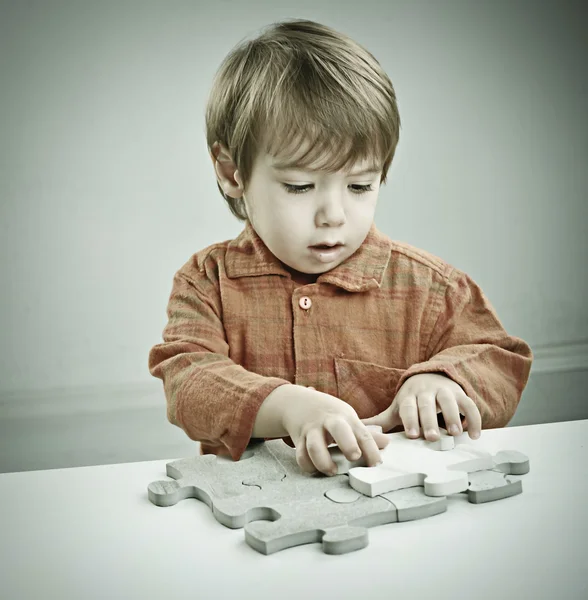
[{"x": 237, "y": 329}]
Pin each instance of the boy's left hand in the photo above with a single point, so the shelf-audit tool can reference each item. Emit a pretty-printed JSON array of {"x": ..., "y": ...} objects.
[{"x": 418, "y": 401}]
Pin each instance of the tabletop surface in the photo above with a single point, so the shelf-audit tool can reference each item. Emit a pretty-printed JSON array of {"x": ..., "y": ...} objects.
[{"x": 92, "y": 533}]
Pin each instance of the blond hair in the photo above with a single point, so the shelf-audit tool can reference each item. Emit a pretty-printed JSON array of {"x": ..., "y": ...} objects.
[{"x": 301, "y": 81}]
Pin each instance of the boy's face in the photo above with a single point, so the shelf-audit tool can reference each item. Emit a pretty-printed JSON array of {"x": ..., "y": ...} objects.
[{"x": 336, "y": 209}]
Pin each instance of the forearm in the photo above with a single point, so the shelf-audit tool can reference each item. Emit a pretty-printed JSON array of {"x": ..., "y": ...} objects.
[
  {"x": 492, "y": 375},
  {"x": 214, "y": 400},
  {"x": 470, "y": 345}
]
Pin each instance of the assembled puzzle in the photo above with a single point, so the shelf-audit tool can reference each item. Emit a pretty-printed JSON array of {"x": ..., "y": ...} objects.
[{"x": 279, "y": 506}]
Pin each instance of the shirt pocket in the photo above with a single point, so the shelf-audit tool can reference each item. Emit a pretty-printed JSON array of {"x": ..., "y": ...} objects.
[{"x": 368, "y": 387}]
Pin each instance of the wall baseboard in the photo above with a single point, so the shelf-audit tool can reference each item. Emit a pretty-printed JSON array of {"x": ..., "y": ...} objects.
[
  {"x": 82, "y": 400},
  {"x": 555, "y": 358}
]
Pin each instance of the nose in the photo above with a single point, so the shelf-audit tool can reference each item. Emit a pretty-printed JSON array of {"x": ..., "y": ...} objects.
[{"x": 331, "y": 212}]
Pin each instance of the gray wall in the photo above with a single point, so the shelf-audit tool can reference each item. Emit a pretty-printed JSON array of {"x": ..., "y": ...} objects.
[{"x": 106, "y": 189}]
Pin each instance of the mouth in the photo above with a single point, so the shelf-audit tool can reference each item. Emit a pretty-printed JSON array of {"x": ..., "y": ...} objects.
[
  {"x": 327, "y": 246},
  {"x": 327, "y": 253}
]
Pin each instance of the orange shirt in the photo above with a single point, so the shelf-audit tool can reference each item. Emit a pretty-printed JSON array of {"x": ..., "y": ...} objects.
[{"x": 239, "y": 326}]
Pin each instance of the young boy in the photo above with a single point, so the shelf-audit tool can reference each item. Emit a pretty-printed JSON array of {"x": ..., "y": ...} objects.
[{"x": 312, "y": 324}]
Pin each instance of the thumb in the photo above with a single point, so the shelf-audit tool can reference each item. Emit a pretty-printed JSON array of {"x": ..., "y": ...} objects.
[
  {"x": 377, "y": 421},
  {"x": 387, "y": 420}
]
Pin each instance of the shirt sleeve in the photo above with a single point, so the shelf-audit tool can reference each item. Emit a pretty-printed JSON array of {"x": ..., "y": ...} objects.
[
  {"x": 469, "y": 344},
  {"x": 213, "y": 399}
]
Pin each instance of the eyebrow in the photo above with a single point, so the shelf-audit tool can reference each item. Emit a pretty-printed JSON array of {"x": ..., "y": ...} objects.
[{"x": 293, "y": 167}]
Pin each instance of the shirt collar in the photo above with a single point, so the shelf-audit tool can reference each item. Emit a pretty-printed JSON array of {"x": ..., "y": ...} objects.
[{"x": 248, "y": 256}]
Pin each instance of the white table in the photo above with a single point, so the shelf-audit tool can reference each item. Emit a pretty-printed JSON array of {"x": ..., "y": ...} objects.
[{"x": 91, "y": 533}]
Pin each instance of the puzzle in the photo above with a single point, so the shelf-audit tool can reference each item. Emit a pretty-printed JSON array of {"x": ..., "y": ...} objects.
[
  {"x": 279, "y": 506},
  {"x": 440, "y": 468}
]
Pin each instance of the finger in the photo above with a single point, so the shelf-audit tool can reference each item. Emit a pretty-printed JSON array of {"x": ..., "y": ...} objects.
[
  {"x": 302, "y": 457},
  {"x": 409, "y": 415},
  {"x": 316, "y": 446},
  {"x": 381, "y": 439},
  {"x": 427, "y": 407},
  {"x": 376, "y": 420},
  {"x": 450, "y": 409},
  {"x": 367, "y": 443},
  {"x": 472, "y": 415},
  {"x": 342, "y": 434},
  {"x": 387, "y": 419}
]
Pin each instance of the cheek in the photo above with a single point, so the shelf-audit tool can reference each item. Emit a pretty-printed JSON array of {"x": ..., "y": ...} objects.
[
  {"x": 362, "y": 211},
  {"x": 369, "y": 208},
  {"x": 275, "y": 222},
  {"x": 289, "y": 215}
]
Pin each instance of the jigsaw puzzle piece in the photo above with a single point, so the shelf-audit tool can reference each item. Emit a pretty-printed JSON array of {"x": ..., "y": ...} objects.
[
  {"x": 236, "y": 511},
  {"x": 298, "y": 510},
  {"x": 304, "y": 509},
  {"x": 488, "y": 486},
  {"x": 512, "y": 462},
  {"x": 210, "y": 478},
  {"x": 444, "y": 443},
  {"x": 376, "y": 481},
  {"x": 410, "y": 463},
  {"x": 341, "y": 527},
  {"x": 342, "y": 495},
  {"x": 342, "y": 540},
  {"x": 281, "y": 454},
  {"x": 339, "y": 518},
  {"x": 412, "y": 504}
]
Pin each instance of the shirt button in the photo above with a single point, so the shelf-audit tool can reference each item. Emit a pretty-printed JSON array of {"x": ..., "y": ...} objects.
[{"x": 305, "y": 302}]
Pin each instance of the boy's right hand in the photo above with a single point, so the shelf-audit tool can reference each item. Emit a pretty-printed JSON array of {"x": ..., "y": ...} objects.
[{"x": 314, "y": 420}]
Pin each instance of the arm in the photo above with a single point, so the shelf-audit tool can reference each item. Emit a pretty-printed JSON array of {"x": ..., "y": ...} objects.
[
  {"x": 213, "y": 399},
  {"x": 220, "y": 403},
  {"x": 469, "y": 345}
]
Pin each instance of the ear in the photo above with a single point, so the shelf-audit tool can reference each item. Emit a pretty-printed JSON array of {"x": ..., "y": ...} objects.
[{"x": 227, "y": 175}]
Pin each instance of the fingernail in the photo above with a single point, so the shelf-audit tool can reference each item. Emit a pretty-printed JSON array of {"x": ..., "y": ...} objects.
[
  {"x": 475, "y": 435},
  {"x": 454, "y": 429},
  {"x": 431, "y": 433},
  {"x": 412, "y": 432},
  {"x": 355, "y": 455}
]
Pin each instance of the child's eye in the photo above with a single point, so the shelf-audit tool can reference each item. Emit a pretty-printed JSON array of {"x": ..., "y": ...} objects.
[
  {"x": 362, "y": 189},
  {"x": 295, "y": 189},
  {"x": 300, "y": 189}
]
